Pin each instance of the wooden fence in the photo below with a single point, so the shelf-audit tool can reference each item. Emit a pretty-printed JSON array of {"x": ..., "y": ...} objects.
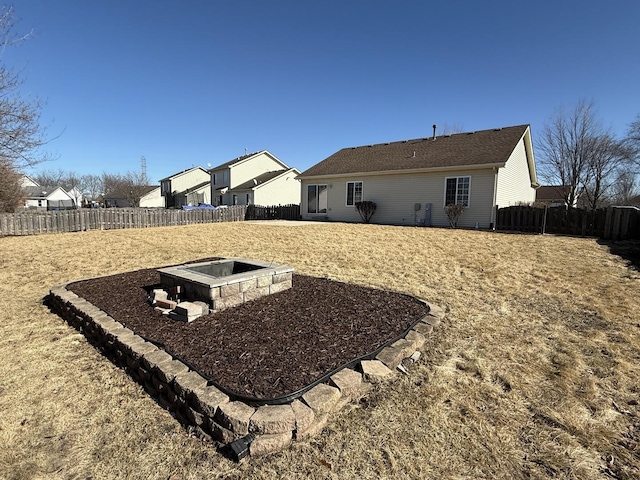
[
  {"x": 612, "y": 223},
  {"x": 34, "y": 223},
  {"x": 279, "y": 212}
]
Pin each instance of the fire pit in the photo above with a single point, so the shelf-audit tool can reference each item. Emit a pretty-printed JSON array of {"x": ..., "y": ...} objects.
[{"x": 227, "y": 282}]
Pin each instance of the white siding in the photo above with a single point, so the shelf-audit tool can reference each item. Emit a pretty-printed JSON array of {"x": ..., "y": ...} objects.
[
  {"x": 58, "y": 198},
  {"x": 514, "y": 181},
  {"x": 253, "y": 167},
  {"x": 188, "y": 180},
  {"x": 282, "y": 190},
  {"x": 27, "y": 181},
  {"x": 152, "y": 199},
  {"x": 396, "y": 195}
]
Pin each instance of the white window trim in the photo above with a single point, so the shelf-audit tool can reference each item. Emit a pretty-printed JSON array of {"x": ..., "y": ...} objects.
[
  {"x": 444, "y": 197},
  {"x": 346, "y": 192}
]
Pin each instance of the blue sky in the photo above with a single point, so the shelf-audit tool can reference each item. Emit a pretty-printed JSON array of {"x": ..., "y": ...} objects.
[{"x": 198, "y": 82}]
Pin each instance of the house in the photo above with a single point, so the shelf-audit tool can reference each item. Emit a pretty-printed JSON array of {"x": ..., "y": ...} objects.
[
  {"x": 121, "y": 198},
  {"x": 257, "y": 178},
  {"x": 411, "y": 181},
  {"x": 47, "y": 198},
  {"x": 76, "y": 195},
  {"x": 553, "y": 195},
  {"x": 27, "y": 181},
  {"x": 152, "y": 199},
  {"x": 188, "y": 187}
]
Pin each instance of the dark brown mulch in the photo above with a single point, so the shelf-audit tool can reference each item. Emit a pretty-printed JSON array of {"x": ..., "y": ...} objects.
[{"x": 272, "y": 346}]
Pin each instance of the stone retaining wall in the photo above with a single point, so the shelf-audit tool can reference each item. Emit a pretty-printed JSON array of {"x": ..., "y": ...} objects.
[{"x": 211, "y": 414}]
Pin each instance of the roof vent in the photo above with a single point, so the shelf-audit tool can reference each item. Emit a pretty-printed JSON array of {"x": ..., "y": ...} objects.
[
  {"x": 471, "y": 133},
  {"x": 414, "y": 154},
  {"x": 434, "y": 131}
]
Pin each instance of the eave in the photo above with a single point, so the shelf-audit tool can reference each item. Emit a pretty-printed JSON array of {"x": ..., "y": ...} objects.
[{"x": 484, "y": 166}]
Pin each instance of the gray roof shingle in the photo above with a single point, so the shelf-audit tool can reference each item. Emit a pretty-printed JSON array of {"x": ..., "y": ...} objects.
[{"x": 457, "y": 150}]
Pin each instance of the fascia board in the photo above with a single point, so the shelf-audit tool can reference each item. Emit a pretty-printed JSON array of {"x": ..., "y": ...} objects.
[{"x": 483, "y": 166}]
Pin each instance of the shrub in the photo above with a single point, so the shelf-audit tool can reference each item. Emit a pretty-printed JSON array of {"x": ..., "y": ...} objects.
[
  {"x": 366, "y": 210},
  {"x": 453, "y": 211}
]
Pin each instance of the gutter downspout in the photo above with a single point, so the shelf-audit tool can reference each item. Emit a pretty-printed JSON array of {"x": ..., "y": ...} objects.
[{"x": 495, "y": 199}]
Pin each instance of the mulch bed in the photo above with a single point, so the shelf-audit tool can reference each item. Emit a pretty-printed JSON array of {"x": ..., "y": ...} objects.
[{"x": 270, "y": 347}]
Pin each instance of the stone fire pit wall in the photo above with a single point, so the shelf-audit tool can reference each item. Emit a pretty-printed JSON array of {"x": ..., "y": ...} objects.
[
  {"x": 211, "y": 414},
  {"x": 231, "y": 290}
]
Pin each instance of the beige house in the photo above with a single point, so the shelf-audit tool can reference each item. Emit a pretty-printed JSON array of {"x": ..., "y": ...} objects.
[
  {"x": 188, "y": 187},
  {"x": 257, "y": 178},
  {"x": 411, "y": 181},
  {"x": 152, "y": 199}
]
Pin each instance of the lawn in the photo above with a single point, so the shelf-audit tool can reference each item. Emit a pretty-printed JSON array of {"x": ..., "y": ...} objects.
[{"x": 533, "y": 373}]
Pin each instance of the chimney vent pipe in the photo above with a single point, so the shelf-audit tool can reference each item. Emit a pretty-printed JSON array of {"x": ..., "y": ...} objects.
[{"x": 434, "y": 131}]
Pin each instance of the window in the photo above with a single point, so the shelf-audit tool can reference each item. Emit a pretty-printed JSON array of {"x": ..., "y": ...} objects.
[
  {"x": 215, "y": 178},
  {"x": 166, "y": 187},
  {"x": 457, "y": 191},
  {"x": 219, "y": 199},
  {"x": 225, "y": 177},
  {"x": 316, "y": 199},
  {"x": 354, "y": 193},
  {"x": 248, "y": 199},
  {"x": 235, "y": 200}
]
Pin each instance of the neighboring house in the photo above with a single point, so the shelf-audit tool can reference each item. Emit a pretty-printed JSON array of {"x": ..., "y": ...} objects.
[
  {"x": 120, "y": 199},
  {"x": 76, "y": 195},
  {"x": 257, "y": 178},
  {"x": 412, "y": 181},
  {"x": 153, "y": 199},
  {"x": 185, "y": 187},
  {"x": 47, "y": 198},
  {"x": 195, "y": 195},
  {"x": 27, "y": 181},
  {"x": 553, "y": 195}
]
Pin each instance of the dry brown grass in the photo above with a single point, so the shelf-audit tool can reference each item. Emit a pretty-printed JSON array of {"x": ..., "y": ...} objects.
[{"x": 534, "y": 373}]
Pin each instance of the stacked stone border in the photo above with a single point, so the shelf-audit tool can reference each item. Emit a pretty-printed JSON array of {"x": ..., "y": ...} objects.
[
  {"x": 229, "y": 291},
  {"x": 209, "y": 413}
]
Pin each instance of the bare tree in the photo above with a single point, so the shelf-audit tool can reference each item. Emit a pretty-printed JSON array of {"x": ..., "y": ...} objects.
[
  {"x": 131, "y": 186},
  {"x": 634, "y": 131},
  {"x": 625, "y": 187},
  {"x": 11, "y": 194},
  {"x": 111, "y": 182},
  {"x": 92, "y": 186},
  {"x": 50, "y": 177},
  {"x": 633, "y": 141},
  {"x": 136, "y": 185},
  {"x": 577, "y": 152},
  {"x": 20, "y": 133},
  {"x": 607, "y": 158}
]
